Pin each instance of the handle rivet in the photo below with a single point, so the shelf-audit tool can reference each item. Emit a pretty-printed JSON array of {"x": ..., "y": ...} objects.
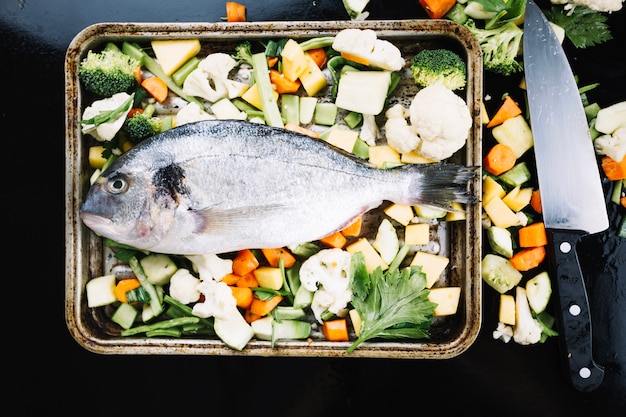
[
  {"x": 574, "y": 309},
  {"x": 565, "y": 247},
  {"x": 584, "y": 372}
]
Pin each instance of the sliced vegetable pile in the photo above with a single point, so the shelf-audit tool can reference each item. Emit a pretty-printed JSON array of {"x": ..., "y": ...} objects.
[{"x": 349, "y": 286}]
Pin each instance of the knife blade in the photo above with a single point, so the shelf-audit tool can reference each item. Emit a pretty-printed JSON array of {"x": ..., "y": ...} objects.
[{"x": 572, "y": 197}]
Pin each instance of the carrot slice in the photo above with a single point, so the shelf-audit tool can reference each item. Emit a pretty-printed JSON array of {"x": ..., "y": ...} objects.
[
  {"x": 271, "y": 61},
  {"x": 230, "y": 279},
  {"x": 248, "y": 280},
  {"x": 335, "y": 240},
  {"x": 528, "y": 258},
  {"x": 613, "y": 169},
  {"x": 436, "y": 9},
  {"x": 535, "y": 201},
  {"x": 249, "y": 316},
  {"x": 156, "y": 87},
  {"x": 245, "y": 262},
  {"x": 264, "y": 307},
  {"x": 235, "y": 12},
  {"x": 297, "y": 128},
  {"x": 125, "y": 285},
  {"x": 273, "y": 256},
  {"x": 499, "y": 159},
  {"x": 335, "y": 330},
  {"x": 243, "y": 296},
  {"x": 354, "y": 229},
  {"x": 318, "y": 55},
  {"x": 355, "y": 58},
  {"x": 532, "y": 235},
  {"x": 283, "y": 84},
  {"x": 508, "y": 109},
  {"x": 137, "y": 74}
]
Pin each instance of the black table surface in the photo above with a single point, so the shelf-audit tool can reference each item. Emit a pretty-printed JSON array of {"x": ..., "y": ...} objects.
[{"x": 490, "y": 378}]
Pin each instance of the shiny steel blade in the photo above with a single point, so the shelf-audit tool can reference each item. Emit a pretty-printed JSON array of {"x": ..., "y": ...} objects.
[{"x": 569, "y": 180}]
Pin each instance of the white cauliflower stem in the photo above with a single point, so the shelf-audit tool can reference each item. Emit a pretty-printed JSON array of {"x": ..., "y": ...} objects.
[
  {"x": 400, "y": 135},
  {"x": 211, "y": 266},
  {"x": 527, "y": 330},
  {"x": 327, "y": 274}
]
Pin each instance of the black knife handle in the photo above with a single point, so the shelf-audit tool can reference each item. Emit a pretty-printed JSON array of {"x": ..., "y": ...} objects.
[{"x": 573, "y": 315}]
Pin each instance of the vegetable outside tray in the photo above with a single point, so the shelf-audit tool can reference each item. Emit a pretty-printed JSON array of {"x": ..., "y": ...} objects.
[{"x": 87, "y": 257}]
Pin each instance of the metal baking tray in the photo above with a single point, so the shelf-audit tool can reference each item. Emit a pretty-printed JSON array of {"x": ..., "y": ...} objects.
[{"x": 87, "y": 257}]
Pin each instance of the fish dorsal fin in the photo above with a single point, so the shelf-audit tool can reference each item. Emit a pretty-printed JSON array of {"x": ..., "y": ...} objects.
[{"x": 214, "y": 219}]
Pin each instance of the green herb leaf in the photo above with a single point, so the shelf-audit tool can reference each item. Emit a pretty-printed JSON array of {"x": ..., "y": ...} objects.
[
  {"x": 392, "y": 305},
  {"x": 506, "y": 11},
  {"x": 584, "y": 27}
]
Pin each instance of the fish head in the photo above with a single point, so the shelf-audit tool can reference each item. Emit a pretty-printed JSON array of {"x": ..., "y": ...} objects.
[{"x": 128, "y": 208}]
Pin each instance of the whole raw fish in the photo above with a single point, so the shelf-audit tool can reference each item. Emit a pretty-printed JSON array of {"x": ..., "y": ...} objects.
[{"x": 220, "y": 186}]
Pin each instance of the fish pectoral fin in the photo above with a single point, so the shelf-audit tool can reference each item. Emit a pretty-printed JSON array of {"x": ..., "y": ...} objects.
[{"x": 215, "y": 218}]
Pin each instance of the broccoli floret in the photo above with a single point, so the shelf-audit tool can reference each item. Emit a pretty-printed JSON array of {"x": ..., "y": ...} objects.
[
  {"x": 500, "y": 46},
  {"x": 243, "y": 53},
  {"x": 108, "y": 72},
  {"x": 439, "y": 65},
  {"x": 142, "y": 125}
]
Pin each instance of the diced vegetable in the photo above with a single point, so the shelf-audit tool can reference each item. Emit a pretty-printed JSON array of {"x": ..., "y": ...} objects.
[
  {"x": 447, "y": 300},
  {"x": 500, "y": 240},
  {"x": 234, "y": 331},
  {"x": 535, "y": 201},
  {"x": 515, "y": 133},
  {"x": 432, "y": 265},
  {"x": 235, "y": 12},
  {"x": 267, "y": 94},
  {"x": 336, "y": 330},
  {"x": 363, "y": 91},
  {"x": 436, "y": 9},
  {"x": 508, "y": 109},
  {"x": 243, "y": 296},
  {"x": 248, "y": 280},
  {"x": 173, "y": 53},
  {"x": 269, "y": 277},
  {"x": 125, "y": 315},
  {"x": 500, "y": 159},
  {"x": 538, "y": 291},
  {"x": 334, "y": 240},
  {"x": 372, "y": 257},
  {"x": 158, "y": 267},
  {"x": 518, "y": 175},
  {"x": 100, "y": 291},
  {"x": 274, "y": 255},
  {"x": 532, "y": 235},
  {"x": 156, "y": 87},
  {"x": 528, "y": 258},
  {"x": 613, "y": 169},
  {"x": 499, "y": 273},
  {"x": 354, "y": 229},
  {"x": 123, "y": 286},
  {"x": 507, "y": 309},
  {"x": 500, "y": 214},
  {"x": 417, "y": 234},
  {"x": 402, "y": 213},
  {"x": 264, "y": 307},
  {"x": 245, "y": 262}
]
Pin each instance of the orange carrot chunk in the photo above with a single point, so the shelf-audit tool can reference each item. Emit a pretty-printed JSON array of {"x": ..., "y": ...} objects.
[
  {"x": 283, "y": 84},
  {"x": 535, "y": 201},
  {"x": 500, "y": 159},
  {"x": 156, "y": 87},
  {"x": 355, "y": 58},
  {"x": 125, "y": 285},
  {"x": 613, "y": 169},
  {"x": 230, "y": 279},
  {"x": 235, "y": 12},
  {"x": 247, "y": 280},
  {"x": 272, "y": 61},
  {"x": 436, "y": 9},
  {"x": 318, "y": 55},
  {"x": 245, "y": 262},
  {"x": 264, "y": 307},
  {"x": 249, "y": 316},
  {"x": 335, "y": 330},
  {"x": 300, "y": 129},
  {"x": 532, "y": 235},
  {"x": 335, "y": 240},
  {"x": 528, "y": 258},
  {"x": 508, "y": 109},
  {"x": 354, "y": 229},
  {"x": 243, "y": 296},
  {"x": 273, "y": 256}
]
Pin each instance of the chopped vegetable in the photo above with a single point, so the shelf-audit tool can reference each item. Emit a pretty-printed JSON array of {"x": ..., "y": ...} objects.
[
  {"x": 156, "y": 87},
  {"x": 613, "y": 169},
  {"x": 245, "y": 262},
  {"x": 243, "y": 296},
  {"x": 282, "y": 84},
  {"x": 528, "y": 258},
  {"x": 508, "y": 109},
  {"x": 274, "y": 255},
  {"x": 335, "y": 240},
  {"x": 439, "y": 65},
  {"x": 583, "y": 26},
  {"x": 108, "y": 72},
  {"x": 532, "y": 235},
  {"x": 500, "y": 159},
  {"x": 335, "y": 330},
  {"x": 123, "y": 286},
  {"x": 264, "y": 307},
  {"x": 436, "y": 9},
  {"x": 500, "y": 46},
  {"x": 535, "y": 201},
  {"x": 235, "y": 12}
]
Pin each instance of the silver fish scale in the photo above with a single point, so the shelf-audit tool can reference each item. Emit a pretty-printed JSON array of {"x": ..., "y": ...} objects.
[{"x": 229, "y": 185}]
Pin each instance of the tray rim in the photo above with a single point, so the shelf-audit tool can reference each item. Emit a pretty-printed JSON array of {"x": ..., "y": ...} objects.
[{"x": 77, "y": 234}]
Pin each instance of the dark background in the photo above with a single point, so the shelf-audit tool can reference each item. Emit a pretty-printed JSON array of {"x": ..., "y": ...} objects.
[{"x": 50, "y": 372}]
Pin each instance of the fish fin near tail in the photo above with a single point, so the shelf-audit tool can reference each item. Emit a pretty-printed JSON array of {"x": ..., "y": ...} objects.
[{"x": 444, "y": 183}]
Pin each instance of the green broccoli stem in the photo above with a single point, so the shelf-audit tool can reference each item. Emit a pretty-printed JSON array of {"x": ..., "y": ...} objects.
[
  {"x": 153, "y": 66},
  {"x": 314, "y": 43},
  {"x": 266, "y": 92}
]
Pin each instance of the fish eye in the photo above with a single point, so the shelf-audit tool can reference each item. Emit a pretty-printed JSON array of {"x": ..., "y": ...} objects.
[{"x": 117, "y": 185}]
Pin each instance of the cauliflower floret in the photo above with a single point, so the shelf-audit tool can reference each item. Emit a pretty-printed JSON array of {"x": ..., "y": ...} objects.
[
  {"x": 503, "y": 332},
  {"x": 364, "y": 43},
  {"x": 612, "y": 145},
  {"x": 327, "y": 274},
  {"x": 210, "y": 79},
  {"x": 219, "y": 301},
  {"x": 400, "y": 136},
  {"x": 527, "y": 330},
  {"x": 441, "y": 119},
  {"x": 106, "y": 131},
  {"x": 369, "y": 130},
  {"x": 211, "y": 266},
  {"x": 599, "y": 5},
  {"x": 192, "y": 113},
  {"x": 184, "y": 287}
]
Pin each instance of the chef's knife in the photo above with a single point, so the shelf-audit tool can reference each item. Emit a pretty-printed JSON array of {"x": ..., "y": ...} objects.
[{"x": 572, "y": 197}]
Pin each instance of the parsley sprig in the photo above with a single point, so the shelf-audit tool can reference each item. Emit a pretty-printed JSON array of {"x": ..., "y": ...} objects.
[{"x": 584, "y": 27}]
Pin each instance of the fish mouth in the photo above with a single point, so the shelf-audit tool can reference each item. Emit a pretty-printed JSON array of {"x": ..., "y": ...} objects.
[{"x": 95, "y": 222}]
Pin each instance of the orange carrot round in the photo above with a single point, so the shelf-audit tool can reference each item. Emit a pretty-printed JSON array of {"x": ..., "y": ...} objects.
[
  {"x": 273, "y": 256},
  {"x": 245, "y": 262},
  {"x": 508, "y": 109},
  {"x": 614, "y": 170},
  {"x": 243, "y": 296},
  {"x": 353, "y": 229},
  {"x": 282, "y": 84},
  {"x": 499, "y": 159},
  {"x": 125, "y": 285},
  {"x": 247, "y": 280},
  {"x": 335, "y": 240},
  {"x": 436, "y": 9},
  {"x": 532, "y": 235},
  {"x": 264, "y": 307},
  {"x": 528, "y": 258},
  {"x": 318, "y": 55}
]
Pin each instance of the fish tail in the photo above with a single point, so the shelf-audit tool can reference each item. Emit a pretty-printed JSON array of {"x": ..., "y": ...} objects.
[{"x": 443, "y": 183}]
